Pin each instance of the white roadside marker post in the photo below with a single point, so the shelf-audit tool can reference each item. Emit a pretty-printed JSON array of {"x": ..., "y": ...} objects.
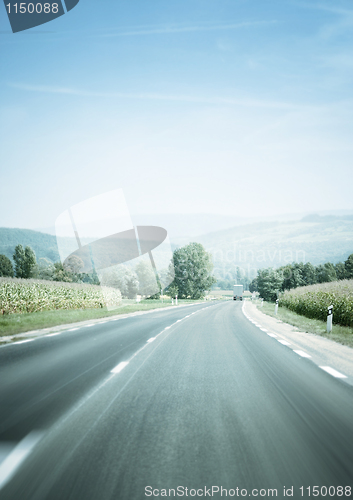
[
  {"x": 176, "y": 300},
  {"x": 276, "y": 307},
  {"x": 329, "y": 319},
  {"x": 262, "y": 302},
  {"x": 172, "y": 302}
]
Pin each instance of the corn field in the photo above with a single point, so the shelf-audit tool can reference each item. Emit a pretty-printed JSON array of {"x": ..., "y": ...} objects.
[
  {"x": 29, "y": 295},
  {"x": 312, "y": 301}
]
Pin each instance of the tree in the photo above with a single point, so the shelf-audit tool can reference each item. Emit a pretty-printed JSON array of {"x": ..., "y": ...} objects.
[
  {"x": 253, "y": 287},
  {"x": 25, "y": 261},
  {"x": 348, "y": 264},
  {"x": 6, "y": 267},
  {"x": 193, "y": 267},
  {"x": 292, "y": 275},
  {"x": 44, "y": 269},
  {"x": 19, "y": 260},
  {"x": 29, "y": 263},
  {"x": 269, "y": 283},
  {"x": 73, "y": 264},
  {"x": 123, "y": 278},
  {"x": 148, "y": 285},
  {"x": 326, "y": 272},
  {"x": 340, "y": 271},
  {"x": 309, "y": 274}
]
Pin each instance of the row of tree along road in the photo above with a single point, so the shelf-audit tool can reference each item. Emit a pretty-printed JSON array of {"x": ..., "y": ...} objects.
[{"x": 43, "y": 285}]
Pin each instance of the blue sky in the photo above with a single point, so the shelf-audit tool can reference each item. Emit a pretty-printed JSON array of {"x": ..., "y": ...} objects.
[{"x": 198, "y": 106}]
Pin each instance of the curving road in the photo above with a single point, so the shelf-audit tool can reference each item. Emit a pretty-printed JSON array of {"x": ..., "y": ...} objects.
[{"x": 195, "y": 398}]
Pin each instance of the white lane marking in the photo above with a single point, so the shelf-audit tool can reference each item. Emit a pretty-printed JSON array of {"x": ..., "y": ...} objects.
[
  {"x": 264, "y": 329},
  {"x": 302, "y": 354},
  {"x": 87, "y": 326},
  {"x": 119, "y": 367},
  {"x": 73, "y": 329},
  {"x": 17, "y": 456},
  {"x": 284, "y": 342},
  {"x": 272, "y": 335},
  {"x": 53, "y": 334},
  {"x": 24, "y": 341},
  {"x": 122, "y": 365},
  {"x": 333, "y": 372}
]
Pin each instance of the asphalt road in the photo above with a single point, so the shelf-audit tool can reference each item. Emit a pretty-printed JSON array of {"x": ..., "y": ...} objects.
[{"x": 205, "y": 400}]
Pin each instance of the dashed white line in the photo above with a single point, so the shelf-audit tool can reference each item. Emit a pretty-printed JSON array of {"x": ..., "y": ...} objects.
[
  {"x": 284, "y": 342},
  {"x": 54, "y": 334},
  {"x": 11, "y": 463},
  {"x": 119, "y": 367},
  {"x": 73, "y": 329},
  {"x": 87, "y": 326},
  {"x": 24, "y": 341},
  {"x": 272, "y": 335},
  {"x": 151, "y": 339},
  {"x": 264, "y": 329},
  {"x": 302, "y": 354},
  {"x": 333, "y": 372}
]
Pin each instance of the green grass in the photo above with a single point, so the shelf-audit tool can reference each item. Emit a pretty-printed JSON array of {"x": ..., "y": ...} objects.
[
  {"x": 10, "y": 324},
  {"x": 341, "y": 334}
]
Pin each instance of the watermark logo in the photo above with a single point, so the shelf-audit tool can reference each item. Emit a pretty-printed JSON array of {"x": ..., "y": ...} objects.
[
  {"x": 97, "y": 237},
  {"x": 26, "y": 15}
]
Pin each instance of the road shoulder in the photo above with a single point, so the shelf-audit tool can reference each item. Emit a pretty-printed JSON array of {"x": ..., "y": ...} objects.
[{"x": 322, "y": 351}]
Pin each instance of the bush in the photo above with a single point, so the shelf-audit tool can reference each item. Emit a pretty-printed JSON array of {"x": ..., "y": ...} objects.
[{"x": 312, "y": 301}]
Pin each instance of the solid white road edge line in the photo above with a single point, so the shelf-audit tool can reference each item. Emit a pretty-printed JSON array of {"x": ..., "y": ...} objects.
[
  {"x": 17, "y": 456},
  {"x": 333, "y": 372},
  {"x": 302, "y": 353},
  {"x": 23, "y": 341}
]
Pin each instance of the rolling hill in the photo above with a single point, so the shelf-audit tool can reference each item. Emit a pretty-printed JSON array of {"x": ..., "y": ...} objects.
[{"x": 316, "y": 239}]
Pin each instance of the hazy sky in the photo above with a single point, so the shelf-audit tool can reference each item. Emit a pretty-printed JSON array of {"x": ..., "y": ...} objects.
[{"x": 218, "y": 106}]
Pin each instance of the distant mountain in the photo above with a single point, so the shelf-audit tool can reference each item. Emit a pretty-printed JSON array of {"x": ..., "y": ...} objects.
[
  {"x": 316, "y": 239},
  {"x": 44, "y": 245}
]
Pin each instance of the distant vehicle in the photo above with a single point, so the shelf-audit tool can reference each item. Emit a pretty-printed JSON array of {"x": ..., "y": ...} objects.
[{"x": 238, "y": 292}]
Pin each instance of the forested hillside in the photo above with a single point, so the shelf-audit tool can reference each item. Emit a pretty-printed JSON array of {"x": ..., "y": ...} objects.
[{"x": 44, "y": 245}]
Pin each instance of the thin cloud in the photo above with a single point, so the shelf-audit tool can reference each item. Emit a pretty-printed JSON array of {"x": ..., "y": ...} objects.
[
  {"x": 166, "y": 30},
  {"x": 156, "y": 97}
]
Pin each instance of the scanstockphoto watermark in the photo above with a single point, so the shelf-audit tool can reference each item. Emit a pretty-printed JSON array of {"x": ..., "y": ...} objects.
[
  {"x": 241, "y": 255},
  {"x": 183, "y": 491}
]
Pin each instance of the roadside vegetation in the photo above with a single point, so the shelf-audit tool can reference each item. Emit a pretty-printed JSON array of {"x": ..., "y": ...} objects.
[
  {"x": 28, "y": 296},
  {"x": 341, "y": 334},
  {"x": 36, "y": 295},
  {"x": 271, "y": 282},
  {"x": 11, "y": 324},
  {"x": 313, "y": 301}
]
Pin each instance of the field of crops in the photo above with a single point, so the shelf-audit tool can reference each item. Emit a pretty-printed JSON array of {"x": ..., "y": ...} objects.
[
  {"x": 312, "y": 301},
  {"x": 27, "y": 296}
]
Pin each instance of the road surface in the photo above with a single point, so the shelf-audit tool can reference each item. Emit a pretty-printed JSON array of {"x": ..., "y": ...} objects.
[{"x": 182, "y": 400}]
